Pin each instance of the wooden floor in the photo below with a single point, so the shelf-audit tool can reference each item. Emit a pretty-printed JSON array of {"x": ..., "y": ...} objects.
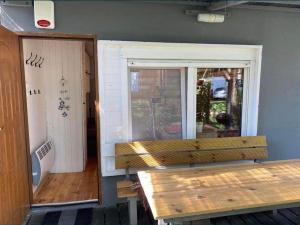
[
  {"x": 69, "y": 187},
  {"x": 119, "y": 216}
]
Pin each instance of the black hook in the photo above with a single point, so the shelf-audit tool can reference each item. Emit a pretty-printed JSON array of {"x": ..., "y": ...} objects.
[
  {"x": 41, "y": 62},
  {"x": 28, "y": 58},
  {"x": 37, "y": 62},
  {"x": 32, "y": 61}
]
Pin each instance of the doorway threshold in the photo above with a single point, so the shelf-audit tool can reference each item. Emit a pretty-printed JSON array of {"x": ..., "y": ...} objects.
[{"x": 91, "y": 203}]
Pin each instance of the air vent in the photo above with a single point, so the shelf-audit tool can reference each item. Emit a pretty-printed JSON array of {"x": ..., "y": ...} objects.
[
  {"x": 42, "y": 161},
  {"x": 43, "y": 151}
]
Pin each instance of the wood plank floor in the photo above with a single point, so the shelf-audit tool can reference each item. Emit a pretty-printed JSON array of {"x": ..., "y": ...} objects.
[
  {"x": 119, "y": 216},
  {"x": 69, "y": 187}
]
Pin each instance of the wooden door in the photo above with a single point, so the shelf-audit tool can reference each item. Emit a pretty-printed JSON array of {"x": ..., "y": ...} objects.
[{"x": 14, "y": 188}]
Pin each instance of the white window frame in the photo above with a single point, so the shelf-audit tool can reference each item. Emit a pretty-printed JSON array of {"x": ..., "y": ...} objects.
[{"x": 189, "y": 99}]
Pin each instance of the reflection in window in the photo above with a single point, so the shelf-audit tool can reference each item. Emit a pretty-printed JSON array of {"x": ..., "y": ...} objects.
[
  {"x": 219, "y": 102},
  {"x": 156, "y": 104}
]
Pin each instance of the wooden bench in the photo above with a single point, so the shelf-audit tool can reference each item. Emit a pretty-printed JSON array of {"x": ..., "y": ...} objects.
[{"x": 149, "y": 154}]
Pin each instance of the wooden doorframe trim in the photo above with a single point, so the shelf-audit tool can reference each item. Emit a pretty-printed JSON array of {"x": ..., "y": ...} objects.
[
  {"x": 40, "y": 35},
  {"x": 80, "y": 37}
]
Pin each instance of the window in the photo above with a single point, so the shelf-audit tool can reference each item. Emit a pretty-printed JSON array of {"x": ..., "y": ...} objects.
[
  {"x": 219, "y": 100},
  {"x": 157, "y": 103},
  {"x": 117, "y": 59}
]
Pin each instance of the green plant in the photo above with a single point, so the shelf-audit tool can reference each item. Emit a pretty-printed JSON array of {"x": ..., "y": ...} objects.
[{"x": 203, "y": 101}]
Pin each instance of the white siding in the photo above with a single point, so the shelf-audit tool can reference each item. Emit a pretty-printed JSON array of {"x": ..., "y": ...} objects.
[{"x": 113, "y": 72}]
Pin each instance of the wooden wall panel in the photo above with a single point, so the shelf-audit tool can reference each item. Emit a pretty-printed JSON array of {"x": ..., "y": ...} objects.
[
  {"x": 14, "y": 186},
  {"x": 35, "y": 94},
  {"x": 65, "y": 59},
  {"x": 62, "y": 59}
]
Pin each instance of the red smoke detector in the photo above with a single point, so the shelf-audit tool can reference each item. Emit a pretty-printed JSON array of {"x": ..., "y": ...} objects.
[{"x": 43, "y": 23}]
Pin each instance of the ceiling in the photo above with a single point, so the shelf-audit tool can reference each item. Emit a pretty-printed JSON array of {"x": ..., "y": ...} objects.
[{"x": 208, "y": 5}]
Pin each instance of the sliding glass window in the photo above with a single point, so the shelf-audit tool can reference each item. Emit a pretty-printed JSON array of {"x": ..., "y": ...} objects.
[
  {"x": 157, "y": 103},
  {"x": 219, "y": 100}
]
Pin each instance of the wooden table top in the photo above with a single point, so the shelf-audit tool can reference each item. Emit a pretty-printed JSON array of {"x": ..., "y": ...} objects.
[{"x": 188, "y": 192}]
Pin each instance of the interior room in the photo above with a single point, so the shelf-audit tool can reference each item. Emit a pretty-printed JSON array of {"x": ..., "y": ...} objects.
[{"x": 60, "y": 93}]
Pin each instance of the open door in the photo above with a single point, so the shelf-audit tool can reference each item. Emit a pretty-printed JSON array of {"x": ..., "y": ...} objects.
[{"x": 14, "y": 194}]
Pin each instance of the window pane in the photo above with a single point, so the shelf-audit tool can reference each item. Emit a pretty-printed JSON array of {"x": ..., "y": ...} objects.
[
  {"x": 156, "y": 104},
  {"x": 219, "y": 102}
]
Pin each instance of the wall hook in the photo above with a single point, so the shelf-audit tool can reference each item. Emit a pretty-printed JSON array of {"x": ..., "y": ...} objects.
[
  {"x": 41, "y": 62},
  {"x": 32, "y": 61},
  {"x": 27, "y": 60},
  {"x": 37, "y": 62}
]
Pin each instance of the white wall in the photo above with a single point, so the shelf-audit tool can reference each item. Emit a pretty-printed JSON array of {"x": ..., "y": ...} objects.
[
  {"x": 62, "y": 58},
  {"x": 36, "y": 105},
  {"x": 110, "y": 105}
]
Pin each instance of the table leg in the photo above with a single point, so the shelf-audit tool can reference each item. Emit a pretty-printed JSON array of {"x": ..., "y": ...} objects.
[{"x": 132, "y": 206}]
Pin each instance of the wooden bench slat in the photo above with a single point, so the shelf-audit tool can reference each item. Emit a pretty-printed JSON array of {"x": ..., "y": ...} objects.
[
  {"x": 149, "y": 147},
  {"x": 169, "y": 152},
  {"x": 164, "y": 159}
]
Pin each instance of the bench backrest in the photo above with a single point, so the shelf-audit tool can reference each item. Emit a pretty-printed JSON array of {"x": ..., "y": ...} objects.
[{"x": 140, "y": 154}]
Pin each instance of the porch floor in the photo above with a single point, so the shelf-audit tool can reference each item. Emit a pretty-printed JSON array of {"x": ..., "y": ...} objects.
[{"x": 119, "y": 216}]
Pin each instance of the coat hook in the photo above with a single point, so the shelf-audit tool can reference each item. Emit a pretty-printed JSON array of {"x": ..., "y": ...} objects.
[
  {"x": 30, "y": 92},
  {"x": 37, "y": 62},
  {"x": 27, "y": 60},
  {"x": 34, "y": 91},
  {"x": 39, "y": 92},
  {"x": 32, "y": 61},
  {"x": 41, "y": 62}
]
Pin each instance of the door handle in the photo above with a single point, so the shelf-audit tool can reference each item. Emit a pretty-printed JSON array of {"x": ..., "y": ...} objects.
[{"x": 1, "y": 128}]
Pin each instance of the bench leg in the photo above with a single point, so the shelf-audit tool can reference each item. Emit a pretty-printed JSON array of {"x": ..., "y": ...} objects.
[
  {"x": 275, "y": 212},
  {"x": 132, "y": 207}
]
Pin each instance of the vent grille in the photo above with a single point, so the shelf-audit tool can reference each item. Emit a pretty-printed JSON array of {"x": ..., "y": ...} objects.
[{"x": 43, "y": 150}]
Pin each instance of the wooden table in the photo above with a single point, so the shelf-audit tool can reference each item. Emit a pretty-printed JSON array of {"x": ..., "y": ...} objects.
[{"x": 198, "y": 194}]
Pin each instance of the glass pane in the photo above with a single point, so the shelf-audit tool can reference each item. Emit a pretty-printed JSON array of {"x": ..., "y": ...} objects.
[
  {"x": 219, "y": 102},
  {"x": 156, "y": 104}
]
